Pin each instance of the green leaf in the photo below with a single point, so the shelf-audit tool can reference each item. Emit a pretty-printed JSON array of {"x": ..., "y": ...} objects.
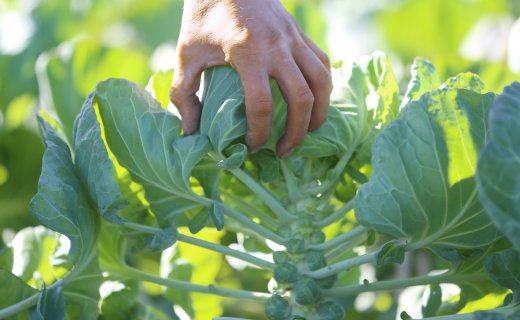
[
  {"x": 391, "y": 252},
  {"x": 93, "y": 164},
  {"x": 13, "y": 290},
  {"x": 6, "y": 257},
  {"x": 422, "y": 187},
  {"x": 159, "y": 85},
  {"x": 199, "y": 221},
  {"x": 498, "y": 173},
  {"x": 466, "y": 80},
  {"x": 163, "y": 239},
  {"x": 66, "y": 79},
  {"x": 236, "y": 155},
  {"x": 61, "y": 203},
  {"x": 216, "y": 215},
  {"x": 504, "y": 268},
  {"x": 146, "y": 141},
  {"x": 223, "y": 116},
  {"x": 385, "y": 95},
  {"x": 424, "y": 79},
  {"x": 120, "y": 303},
  {"x": 51, "y": 304},
  {"x": 434, "y": 301}
]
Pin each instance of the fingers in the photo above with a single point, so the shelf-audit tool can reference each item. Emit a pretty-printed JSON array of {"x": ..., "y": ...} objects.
[
  {"x": 300, "y": 100},
  {"x": 319, "y": 80},
  {"x": 186, "y": 83},
  {"x": 259, "y": 105},
  {"x": 317, "y": 51}
]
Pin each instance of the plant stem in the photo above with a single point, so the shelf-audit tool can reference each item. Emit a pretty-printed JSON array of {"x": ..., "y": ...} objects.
[
  {"x": 352, "y": 290},
  {"x": 269, "y": 199},
  {"x": 336, "y": 215},
  {"x": 207, "y": 245},
  {"x": 355, "y": 233},
  {"x": 290, "y": 181},
  {"x": 252, "y": 210},
  {"x": 247, "y": 222},
  {"x": 344, "y": 247},
  {"x": 19, "y": 306},
  {"x": 188, "y": 286},
  {"x": 342, "y": 266},
  {"x": 307, "y": 170},
  {"x": 227, "y": 251}
]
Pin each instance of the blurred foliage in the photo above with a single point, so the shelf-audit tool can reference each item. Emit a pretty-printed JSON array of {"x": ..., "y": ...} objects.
[{"x": 76, "y": 43}]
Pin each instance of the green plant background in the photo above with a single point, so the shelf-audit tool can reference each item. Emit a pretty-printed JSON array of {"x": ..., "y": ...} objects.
[{"x": 75, "y": 44}]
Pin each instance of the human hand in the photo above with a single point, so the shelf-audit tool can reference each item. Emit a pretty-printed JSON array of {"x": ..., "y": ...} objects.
[{"x": 261, "y": 40}]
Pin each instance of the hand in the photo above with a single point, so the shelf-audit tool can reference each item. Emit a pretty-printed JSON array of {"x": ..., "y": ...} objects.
[{"x": 261, "y": 40}]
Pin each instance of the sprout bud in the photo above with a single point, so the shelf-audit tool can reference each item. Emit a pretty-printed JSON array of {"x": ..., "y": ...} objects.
[
  {"x": 277, "y": 308},
  {"x": 314, "y": 260},
  {"x": 285, "y": 273},
  {"x": 284, "y": 231},
  {"x": 306, "y": 291},
  {"x": 317, "y": 237},
  {"x": 280, "y": 257},
  {"x": 295, "y": 246}
]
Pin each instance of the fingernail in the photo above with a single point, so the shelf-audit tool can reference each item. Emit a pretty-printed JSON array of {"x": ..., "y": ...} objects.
[
  {"x": 284, "y": 154},
  {"x": 254, "y": 149}
]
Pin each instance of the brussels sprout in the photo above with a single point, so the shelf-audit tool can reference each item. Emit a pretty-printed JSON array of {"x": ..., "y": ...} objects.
[
  {"x": 306, "y": 291},
  {"x": 328, "y": 282},
  {"x": 304, "y": 224},
  {"x": 295, "y": 246},
  {"x": 314, "y": 260},
  {"x": 277, "y": 308},
  {"x": 285, "y": 273},
  {"x": 329, "y": 310},
  {"x": 317, "y": 237},
  {"x": 280, "y": 257},
  {"x": 284, "y": 231}
]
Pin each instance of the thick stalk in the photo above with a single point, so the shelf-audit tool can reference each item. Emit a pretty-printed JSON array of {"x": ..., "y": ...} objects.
[
  {"x": 188, "y": 286},
  {"x": 269, "y": 199},
  {"x": 290, "y": 181},
  {"x": 227, "y": 251},
  {"x": 336, "y": 215},
  {"x": 352, "y": 290},
  {"x": 248, "y": 223},
  {"x": 353, "y": 234},
  {"x": 343, "y": 266},
  {"x": 207, "y": 245},
  {"x": 252, "y": 210},
  {"x": 19, "y": 306}
]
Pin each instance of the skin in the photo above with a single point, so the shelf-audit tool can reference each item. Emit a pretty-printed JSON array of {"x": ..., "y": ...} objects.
[{"x": 262, "y": 41}]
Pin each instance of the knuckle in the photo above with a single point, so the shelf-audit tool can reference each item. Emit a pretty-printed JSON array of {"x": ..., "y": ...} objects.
[
  {"x": 261, "y": 107},
  {"x": 177, "y": 96},
  {"x": 304, "y": 97},
  {"x": 324, "y": 79}
]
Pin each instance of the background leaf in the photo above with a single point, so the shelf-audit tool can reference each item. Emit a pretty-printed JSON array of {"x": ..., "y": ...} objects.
[{"x": 498, "y": 173}]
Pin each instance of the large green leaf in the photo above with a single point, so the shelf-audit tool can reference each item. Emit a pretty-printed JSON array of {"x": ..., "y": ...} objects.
[
  {"x": 61, "y": 203},
  {"x": 69, "y": 73},
  {"x": 146, "y": 141},
  {"x": 93, "y": 164},
  {"x": 422, "y": 187},
  {"x": 504, "y": 268},
  {"x": 424, "y": 79},
  {"x": 499, "y": 165}
]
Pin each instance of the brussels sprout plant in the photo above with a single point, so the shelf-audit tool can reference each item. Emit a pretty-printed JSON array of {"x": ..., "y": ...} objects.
[{"x": 388, "y": 179}]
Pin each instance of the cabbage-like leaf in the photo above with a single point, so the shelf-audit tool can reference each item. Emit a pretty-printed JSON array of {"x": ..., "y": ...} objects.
[
  {"x": 422, "y": 188},
  {"x": 424, "y": 79},
  {"x": 146, "y": 141},
  {"x": 61, "y": 203},
  {"x": 499, "y": 165}
]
